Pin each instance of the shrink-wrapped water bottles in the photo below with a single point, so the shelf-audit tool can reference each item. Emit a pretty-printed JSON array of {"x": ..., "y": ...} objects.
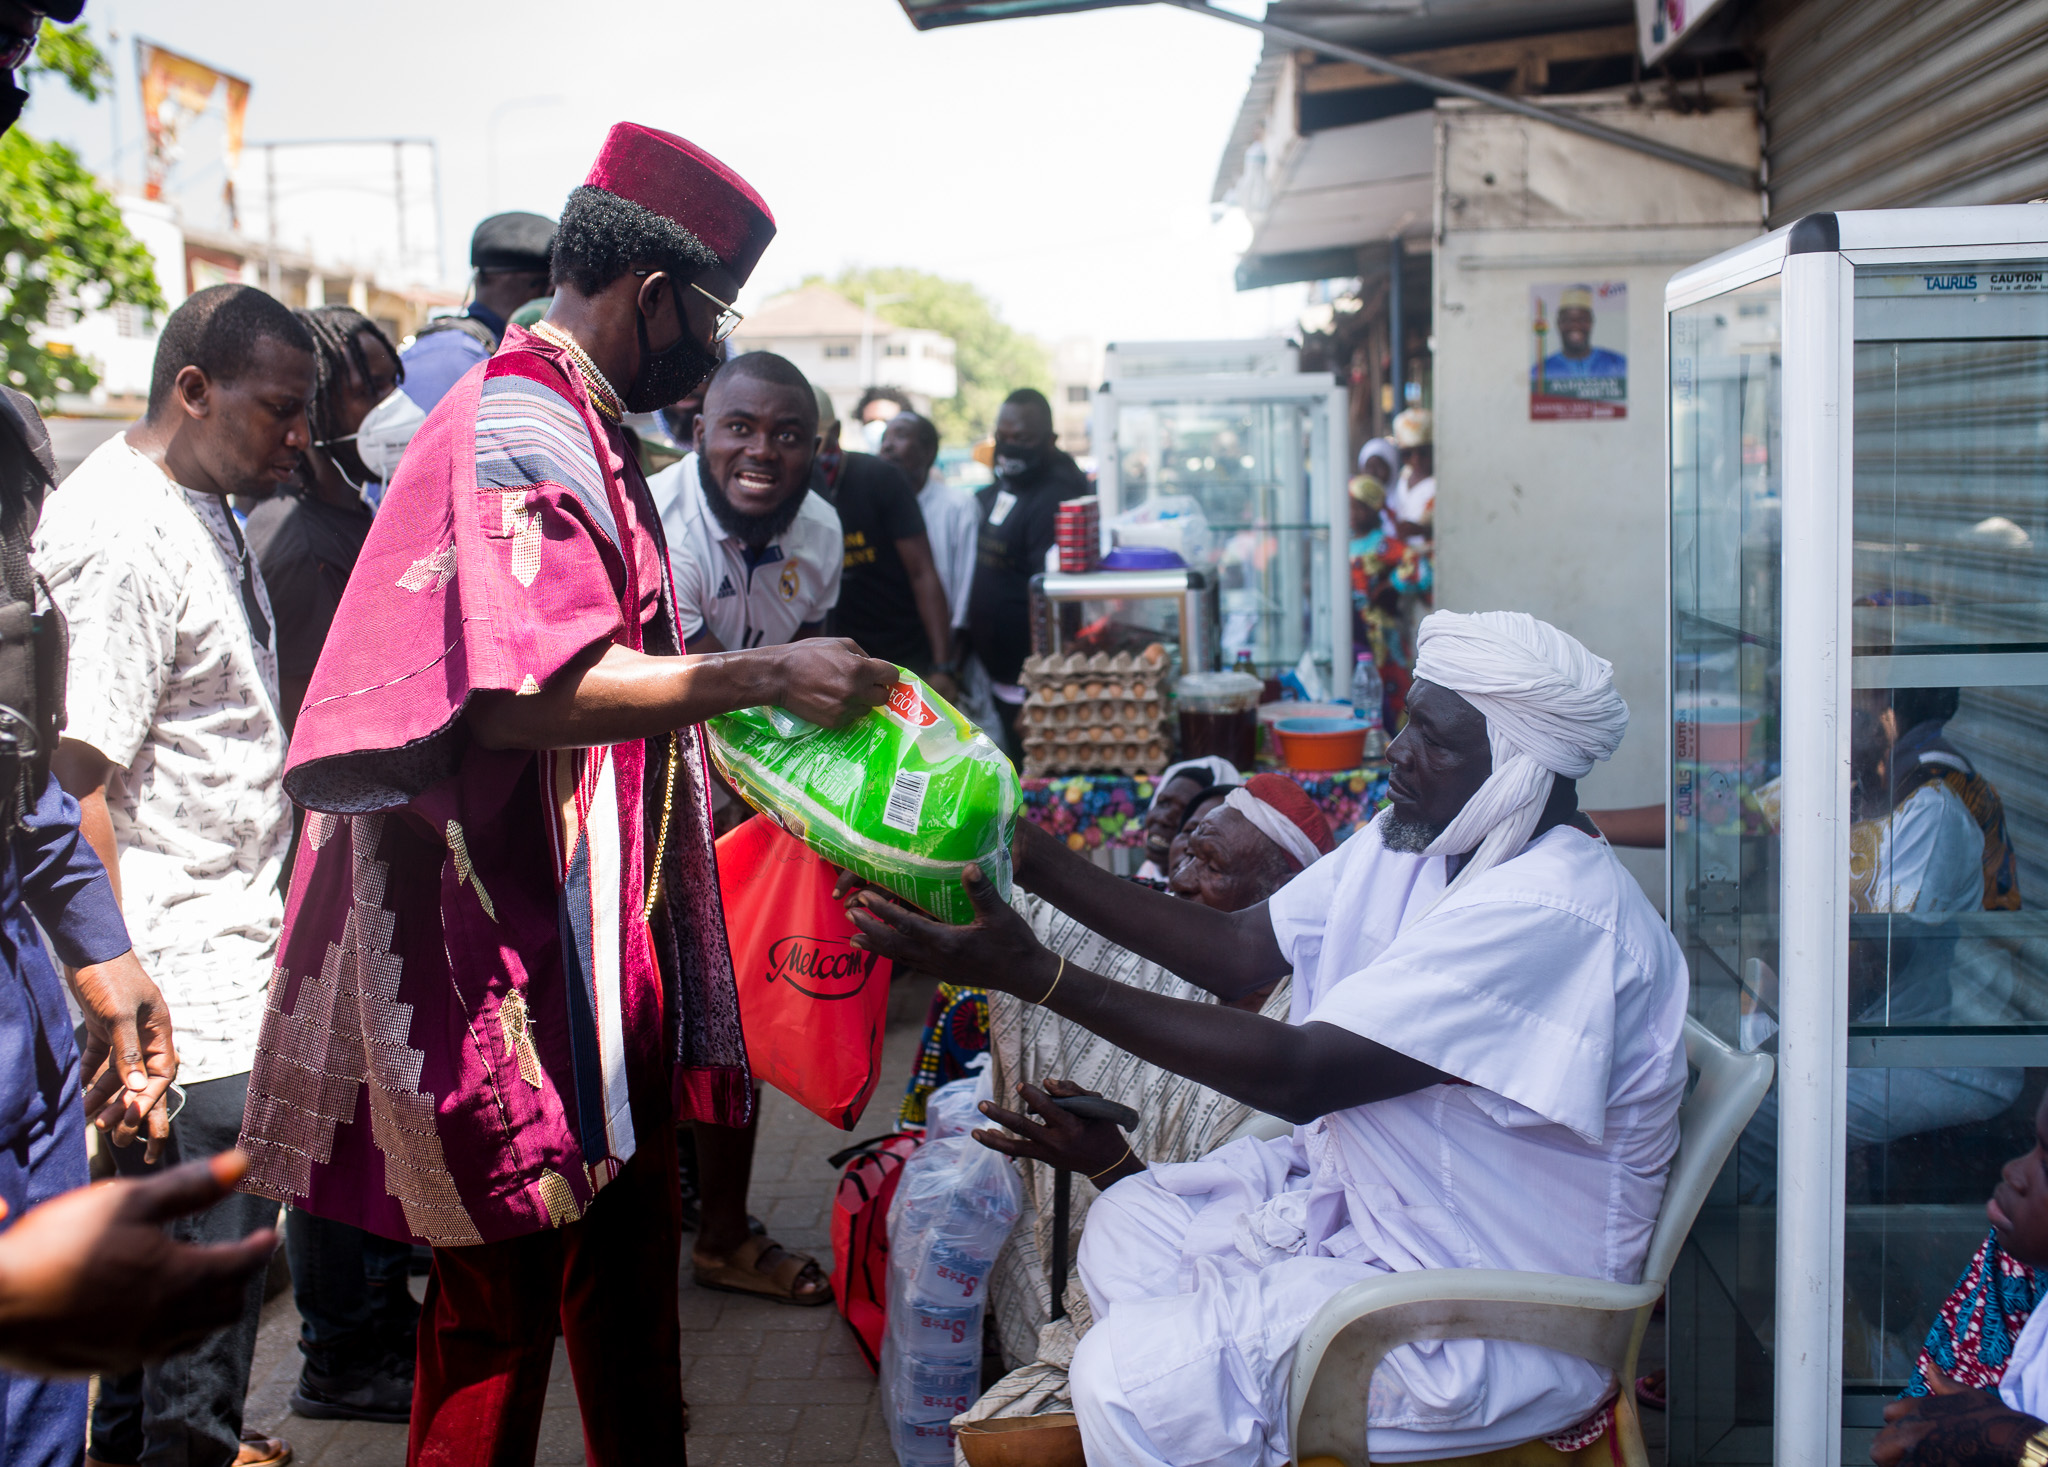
[{"x": 953, "y": 1209}]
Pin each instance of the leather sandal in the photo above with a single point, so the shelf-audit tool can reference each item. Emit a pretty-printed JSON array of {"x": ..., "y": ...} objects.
[
  {"x": 259, "y": 1450},
  {"x": 743, "y": 1273}
]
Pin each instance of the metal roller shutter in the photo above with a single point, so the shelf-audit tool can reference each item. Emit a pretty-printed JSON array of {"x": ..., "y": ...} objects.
[{"x": 1874, "y": 104}]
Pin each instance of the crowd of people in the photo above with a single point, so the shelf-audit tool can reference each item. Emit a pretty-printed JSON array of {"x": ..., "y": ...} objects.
[{"x": 350, "y": 709}]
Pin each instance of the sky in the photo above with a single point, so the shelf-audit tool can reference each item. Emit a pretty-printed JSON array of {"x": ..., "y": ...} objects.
[{"x": 1063, "y": 165}]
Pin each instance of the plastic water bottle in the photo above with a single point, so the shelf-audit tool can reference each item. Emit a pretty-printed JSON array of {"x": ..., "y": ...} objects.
[{"x": 1368, "y": 701}]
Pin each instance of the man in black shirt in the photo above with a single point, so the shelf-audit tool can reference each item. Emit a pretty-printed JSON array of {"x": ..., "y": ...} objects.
[
  {"x": 307, "y": 536},
  {"x": 1019, "y": 513},
  {"x": 891, "y": 600}
]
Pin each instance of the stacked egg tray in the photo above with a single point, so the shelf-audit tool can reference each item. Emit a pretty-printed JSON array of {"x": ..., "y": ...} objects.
[{"x": 1096, "y": 711}]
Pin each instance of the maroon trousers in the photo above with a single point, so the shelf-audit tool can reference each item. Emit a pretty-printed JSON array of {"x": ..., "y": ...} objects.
[{"x": 607, "y": 1283}]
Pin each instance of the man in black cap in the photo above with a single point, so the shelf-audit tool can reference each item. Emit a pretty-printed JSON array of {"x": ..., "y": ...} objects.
[{"x": 509, "y": 253}]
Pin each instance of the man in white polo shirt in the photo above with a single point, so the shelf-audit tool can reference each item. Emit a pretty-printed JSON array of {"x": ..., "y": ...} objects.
[
  {"x": 756, "y": 558},
  {"x": 756, "y": 555}
]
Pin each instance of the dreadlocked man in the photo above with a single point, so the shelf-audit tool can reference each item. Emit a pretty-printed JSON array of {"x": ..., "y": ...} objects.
[{"x": 306, "y": 537}]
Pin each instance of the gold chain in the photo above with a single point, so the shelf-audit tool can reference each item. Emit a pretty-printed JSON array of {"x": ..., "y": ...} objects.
[
  {"x": 668, "y": 801},
  {"x": 603, "y": 396}
]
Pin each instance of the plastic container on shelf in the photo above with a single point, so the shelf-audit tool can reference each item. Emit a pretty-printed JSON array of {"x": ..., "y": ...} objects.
[
  {"x": 1321, "y": 745},
  {"x": 1219, "y": 714},
  {"x": 1369, "y": 703}
]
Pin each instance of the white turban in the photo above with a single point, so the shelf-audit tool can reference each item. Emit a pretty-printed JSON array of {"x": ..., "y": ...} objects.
[{"x": 1550, "y": 709}]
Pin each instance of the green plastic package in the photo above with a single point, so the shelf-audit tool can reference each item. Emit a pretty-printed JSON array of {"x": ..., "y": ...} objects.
[{"x": 906, "y": 796}]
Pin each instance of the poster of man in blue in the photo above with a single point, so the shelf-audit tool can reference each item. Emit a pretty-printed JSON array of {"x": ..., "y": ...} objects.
[{"x": 1586, "y": 375}]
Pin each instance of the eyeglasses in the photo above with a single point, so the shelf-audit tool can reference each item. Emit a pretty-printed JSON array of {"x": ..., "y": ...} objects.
[
  {"x": 16, "y": 49},
  {"x": 728, "y": 319}
]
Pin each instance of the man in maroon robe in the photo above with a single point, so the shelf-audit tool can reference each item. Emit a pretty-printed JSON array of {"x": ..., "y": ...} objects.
[{"x": 504, "y": 974}]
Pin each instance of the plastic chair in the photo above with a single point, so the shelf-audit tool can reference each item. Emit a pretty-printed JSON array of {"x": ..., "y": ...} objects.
[{"x": 1596, "y": 1320}]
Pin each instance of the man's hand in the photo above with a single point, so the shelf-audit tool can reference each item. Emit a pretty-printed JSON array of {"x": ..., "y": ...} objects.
[
  {"x": 997, "y": 947},
  {"x": 1957, "y": 1426},
  {"x": 89, "y": 1281},
  {"x": 829, "y": 680},
  {"x": 1095, "y": 1149},
  {"x": 129, "y": 1060}
]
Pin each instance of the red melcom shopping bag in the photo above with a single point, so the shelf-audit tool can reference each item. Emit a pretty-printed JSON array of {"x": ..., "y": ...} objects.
[{"x": 812, "y": 1004}]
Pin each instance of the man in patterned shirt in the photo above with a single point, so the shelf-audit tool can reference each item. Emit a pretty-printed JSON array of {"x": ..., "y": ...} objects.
[{"x": 175, "y": 755}]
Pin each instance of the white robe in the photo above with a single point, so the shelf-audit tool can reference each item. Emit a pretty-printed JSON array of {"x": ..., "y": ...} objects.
[
  {"x": 1551, "y": 986},
  {"x": 952, "y": 522}
]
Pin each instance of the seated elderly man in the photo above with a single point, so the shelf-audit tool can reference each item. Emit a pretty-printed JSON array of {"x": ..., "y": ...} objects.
[
  {"x": 1234, "y": 857},
  {"x": 1484, "y": 1060}
]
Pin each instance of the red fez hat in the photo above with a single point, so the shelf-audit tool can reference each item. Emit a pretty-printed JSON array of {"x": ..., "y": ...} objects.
[{"x": 681, "y": 182}]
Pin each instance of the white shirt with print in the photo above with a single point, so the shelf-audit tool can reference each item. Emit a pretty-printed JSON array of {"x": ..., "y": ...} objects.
[
  {"x": 169, "y": 683},
  {"x": 793, "y": 581}
]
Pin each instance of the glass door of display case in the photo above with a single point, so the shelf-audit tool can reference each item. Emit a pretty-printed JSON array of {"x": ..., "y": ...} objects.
[
  {"x": 1727, "y": 488},
  {"x": 1859, "y": 799},
  {"x": 1264, "y": 460},
  {"x": 1948, "y": 772}
]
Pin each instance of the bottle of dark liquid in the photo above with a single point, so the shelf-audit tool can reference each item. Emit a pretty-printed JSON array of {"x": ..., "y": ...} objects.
[{"x": 1244, "y": 662}]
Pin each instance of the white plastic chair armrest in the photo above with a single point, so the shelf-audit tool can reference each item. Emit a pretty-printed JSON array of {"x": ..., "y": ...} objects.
[
  {"x": 1349, "y": 1336},
  {"x": 1258, "y": 1126}
]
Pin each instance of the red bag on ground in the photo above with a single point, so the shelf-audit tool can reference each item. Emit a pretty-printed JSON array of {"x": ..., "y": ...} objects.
[
  {"x": 860, "y": 1233},
  {"x": 813, "y": 1006}
]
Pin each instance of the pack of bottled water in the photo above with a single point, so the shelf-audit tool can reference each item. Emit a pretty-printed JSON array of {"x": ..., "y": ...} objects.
[
  {"x": 953, "y": 1209},
  {"x": 954, "y": 1108}
]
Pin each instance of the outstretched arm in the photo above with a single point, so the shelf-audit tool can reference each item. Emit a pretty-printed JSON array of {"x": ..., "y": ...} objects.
[
  {"x": 1297, "y": 1072},
  {"x": 1228, "y": 953},
  {"x": 613, "y": 694}
]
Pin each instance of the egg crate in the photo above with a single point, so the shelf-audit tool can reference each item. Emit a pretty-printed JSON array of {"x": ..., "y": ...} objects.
[{"x": 1132, "y": 757}]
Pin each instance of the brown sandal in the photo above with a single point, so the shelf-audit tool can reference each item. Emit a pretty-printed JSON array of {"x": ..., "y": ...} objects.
[
  {"x": 259, "y": 1450},
  {"x": 742, "y": 1273}
]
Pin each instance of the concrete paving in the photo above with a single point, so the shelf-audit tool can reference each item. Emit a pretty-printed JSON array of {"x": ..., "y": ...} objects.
[{"x": 768, "y": 1384}]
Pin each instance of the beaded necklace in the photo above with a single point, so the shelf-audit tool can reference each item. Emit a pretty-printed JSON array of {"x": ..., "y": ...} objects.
[{"x": 603, "y": 396}]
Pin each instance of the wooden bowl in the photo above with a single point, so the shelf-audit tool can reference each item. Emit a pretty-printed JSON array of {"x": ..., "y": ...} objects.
[{"x": 1023, "y": 1441}]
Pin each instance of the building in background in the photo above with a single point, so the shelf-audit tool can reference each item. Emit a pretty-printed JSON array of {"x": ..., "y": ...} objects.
[
  {"x": 1076, "y": 373},
  {"x": 846, "y": 350}
]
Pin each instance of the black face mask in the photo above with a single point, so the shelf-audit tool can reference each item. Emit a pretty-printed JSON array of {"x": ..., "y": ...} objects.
[
  {"x": 1018, "y": 460},
  {"x": 12, "y": 100},
  {"x": 668, "y": 375}
]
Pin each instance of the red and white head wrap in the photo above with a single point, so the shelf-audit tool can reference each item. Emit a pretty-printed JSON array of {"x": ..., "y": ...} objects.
[{"x": 1286, "y": 816}]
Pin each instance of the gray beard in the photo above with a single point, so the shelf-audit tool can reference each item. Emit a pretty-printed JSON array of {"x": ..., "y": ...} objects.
[{"x": 1409, "y": 837}]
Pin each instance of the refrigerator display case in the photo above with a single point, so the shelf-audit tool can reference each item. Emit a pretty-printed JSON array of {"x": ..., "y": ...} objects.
[
  {"x": 1266, "y": 458},
  {"x": 1858, "y": 815}
]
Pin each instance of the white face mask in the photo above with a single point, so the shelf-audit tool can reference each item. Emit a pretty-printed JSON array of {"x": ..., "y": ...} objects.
[
  {"x": 387, "y": 428},
  {"x": 872, "y": 432}
]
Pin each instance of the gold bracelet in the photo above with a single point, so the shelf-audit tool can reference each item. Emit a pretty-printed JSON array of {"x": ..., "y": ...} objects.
[
  {"x": 2034, "y": 1451},
  {"x": 1057, "y": 975},
  {"x": 1128, "y": 1152}
]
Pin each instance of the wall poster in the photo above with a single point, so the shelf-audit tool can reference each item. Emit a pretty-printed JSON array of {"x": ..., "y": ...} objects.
[{"x": 1578, "y": 366}]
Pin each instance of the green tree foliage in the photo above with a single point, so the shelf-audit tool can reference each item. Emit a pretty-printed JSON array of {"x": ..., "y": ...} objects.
[
  {"x": 67, "y": 52},
  {"x": 62, "y": 238},
  {"x": 992, "y": 358}
]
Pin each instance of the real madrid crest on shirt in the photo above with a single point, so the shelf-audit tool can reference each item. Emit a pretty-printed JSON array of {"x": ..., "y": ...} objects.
[{"x": 790, "y": 581}]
